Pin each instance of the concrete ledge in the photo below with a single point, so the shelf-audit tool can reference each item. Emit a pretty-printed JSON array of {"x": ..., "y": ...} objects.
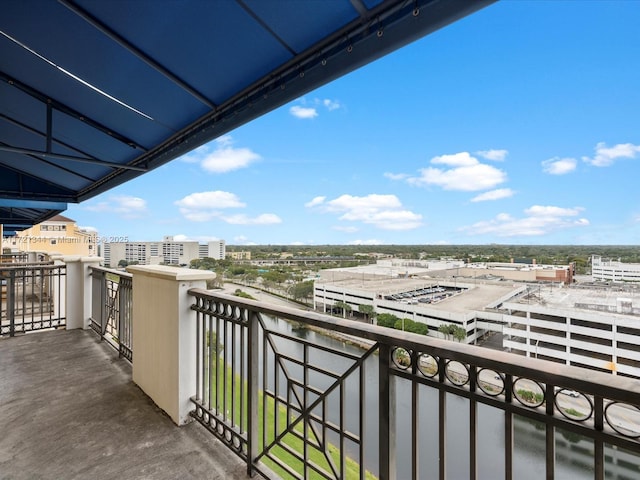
[
  {"x": 76, "y": 258},
  {"x": 171, "y": 273}
]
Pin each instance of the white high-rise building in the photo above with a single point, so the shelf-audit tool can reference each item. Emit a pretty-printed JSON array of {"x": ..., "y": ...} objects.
[{"x": 168, "y": 251}]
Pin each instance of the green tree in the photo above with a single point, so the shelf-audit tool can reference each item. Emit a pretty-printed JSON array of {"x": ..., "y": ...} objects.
[
  {"x": 387, "y": 320},
  {"x": 449, "y": 330},
  {"x": 444, "y": 329},
  {"x": 459, "y": 333},
  {"x": 302, "y": 290},
  {"x": 368, "y": 311},
  {"x": 345, "y": 308},
  {"x": 275, "y": 276},
  {"x": 206, "y": 263},
  {"x": 238, "y": 271},
  {"x": 416, "y": 327}
]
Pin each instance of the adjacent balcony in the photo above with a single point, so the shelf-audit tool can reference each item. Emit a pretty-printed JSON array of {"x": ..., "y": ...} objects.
[{"x": 148, "y": 375}]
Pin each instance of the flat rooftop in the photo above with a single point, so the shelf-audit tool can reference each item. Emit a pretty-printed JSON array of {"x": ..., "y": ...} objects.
[
  {"x": 476, "y": 295},
  {"x": 567, "y": 297},
  {"x": 480, "y": 292}
]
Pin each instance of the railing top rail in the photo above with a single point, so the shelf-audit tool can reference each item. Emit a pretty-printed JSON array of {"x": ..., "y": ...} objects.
[
  {"x": 29, "y": 266},
  {"x": 120, "y": 273},
  {"x": 592, "y": 382}
]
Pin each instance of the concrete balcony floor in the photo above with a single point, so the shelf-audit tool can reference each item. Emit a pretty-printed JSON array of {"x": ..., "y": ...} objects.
[{"x": 69, "y": 410}]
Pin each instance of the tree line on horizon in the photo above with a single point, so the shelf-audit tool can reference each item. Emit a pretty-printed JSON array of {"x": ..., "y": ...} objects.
[{"x": 543, "y": 254}]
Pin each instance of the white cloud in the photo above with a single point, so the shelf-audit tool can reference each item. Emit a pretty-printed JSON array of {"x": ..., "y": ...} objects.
[
  {"x": 220, "y": 156},
  {"x": 495, "y": 155},
  {"x": 549, "y": 211},
  {"x": 241, "y": 239},
  {"x": 309, "y": 108},
  {"x": 210, "y": 200},
  {"x": 126, "y": 206},
  {"x": 605, "y": 156},
  {"x": 303, "y": 112},
  {"x": 559, "y": 166},
  {"x": 372, "y": 241},
  {"x": 242, "y": 219},
  {"x": 467, "y": 174},
  {"x": 382, "y": 211},
  {"x": 468, "y": 179},
  {"x": 462, "y": 159},
  {"x": 315, "y": 202},
  {"x": 205, "y": 206},
  {"x": 88, "y": 228},
  {"x": 370, "y": 203},
  {"x": 396, "y": 176},
  {"x": 539, "y": 220},
  {"x": 331, "y": 105},
  {"x": 346, "y": 229},
  {"x": 387, "y": 219},
  {"x": 493, "y": 195},
  {"x": 195, "y": 156},
  {"x": 224, "y": 140}
]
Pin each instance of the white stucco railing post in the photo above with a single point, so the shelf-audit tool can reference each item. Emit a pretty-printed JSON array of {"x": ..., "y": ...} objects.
[
  {"x": 77, "y": 290},
  {"x": 164, "y": 335}
]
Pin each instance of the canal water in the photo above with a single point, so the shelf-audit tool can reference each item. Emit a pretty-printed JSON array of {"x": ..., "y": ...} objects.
[{"x": 574, "y": 454}]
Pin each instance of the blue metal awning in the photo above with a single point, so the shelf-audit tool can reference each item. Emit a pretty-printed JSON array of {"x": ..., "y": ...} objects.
[{"x": 94, "y": 93}]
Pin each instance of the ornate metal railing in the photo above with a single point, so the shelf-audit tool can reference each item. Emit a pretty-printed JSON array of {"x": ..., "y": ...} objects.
[
  {"x": 111, "y": 308},
  {"x": 32, "y": 298},
  {"x": 403, "y": 405}
]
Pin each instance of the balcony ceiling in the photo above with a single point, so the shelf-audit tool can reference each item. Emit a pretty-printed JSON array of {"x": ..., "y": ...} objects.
[{"x": 94, "y": 93}]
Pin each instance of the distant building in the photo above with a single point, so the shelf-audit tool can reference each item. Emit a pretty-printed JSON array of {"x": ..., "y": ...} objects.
[
  {"x": 241, "y": 255},
  {"x": 58, "y": 235},
  {"x": 521, "y": 272},
  {"x": 586, "y": 328},
  {"x": 585, "y": 325},
  {"x": 168, "y": 251},
  {"x": 614, "y": 271}
]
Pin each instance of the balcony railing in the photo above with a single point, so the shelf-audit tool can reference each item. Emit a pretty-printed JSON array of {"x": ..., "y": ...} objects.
[
  {"x": 111, "y": 308},
  {"x": 400, "y": 405},
  {"x": 32, "y": 297},
  {"x": 10, "y": 258},
  {"x": 295, "y": 403}
]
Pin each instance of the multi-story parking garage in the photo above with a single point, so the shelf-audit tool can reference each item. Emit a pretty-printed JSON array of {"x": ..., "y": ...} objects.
[
  {"x": 581, "y": 325},
  {"x": 614, "y": 271},
  {"x": 433, "y": 301},
  {"x": 593, "y": 328}
]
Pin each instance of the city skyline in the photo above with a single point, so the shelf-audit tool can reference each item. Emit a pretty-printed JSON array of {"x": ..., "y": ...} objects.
[{"x": 515, "y": 125}]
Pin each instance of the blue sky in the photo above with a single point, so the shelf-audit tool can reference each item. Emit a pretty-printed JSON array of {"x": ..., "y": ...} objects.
[{"x": 517, "y": 125}]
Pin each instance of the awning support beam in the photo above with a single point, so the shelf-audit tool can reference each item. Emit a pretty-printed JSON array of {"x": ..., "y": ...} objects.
[
  {"x": 94, "y": 22},
  {"x": 58, "y": 156}
]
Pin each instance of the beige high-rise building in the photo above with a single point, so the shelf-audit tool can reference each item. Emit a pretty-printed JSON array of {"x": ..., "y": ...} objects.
[{"x": 58, "y": 235}]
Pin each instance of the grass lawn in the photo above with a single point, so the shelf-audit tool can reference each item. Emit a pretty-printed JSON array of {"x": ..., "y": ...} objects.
[{"x": 289, "y": 445}]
